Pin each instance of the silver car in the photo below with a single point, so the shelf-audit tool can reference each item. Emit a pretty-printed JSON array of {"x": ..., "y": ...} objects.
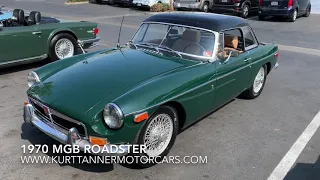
[{"x": 199, "y": 5}]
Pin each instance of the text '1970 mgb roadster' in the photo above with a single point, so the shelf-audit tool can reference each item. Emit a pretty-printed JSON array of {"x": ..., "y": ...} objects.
[
  {"x": 30, "y": 38},
  {"x": 177, "y": 68}
]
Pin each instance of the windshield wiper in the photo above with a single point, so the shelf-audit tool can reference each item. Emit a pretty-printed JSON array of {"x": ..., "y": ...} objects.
[
  {"x": 150, "y": 45},
  {"x": 169, "y": 49}
]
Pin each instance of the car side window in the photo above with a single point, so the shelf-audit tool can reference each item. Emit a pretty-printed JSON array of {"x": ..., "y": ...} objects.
[
  {"x": 233, "y": 41},
  {"x": 249, "y": 39}
]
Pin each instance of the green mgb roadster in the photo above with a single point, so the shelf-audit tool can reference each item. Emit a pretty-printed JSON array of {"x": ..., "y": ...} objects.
[
  {"x": 25, "y": 39},
  {"x": 177, "y": 68}
]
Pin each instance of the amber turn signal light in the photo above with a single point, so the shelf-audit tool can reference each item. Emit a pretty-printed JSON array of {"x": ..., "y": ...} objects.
[
  {"x": 141, "y": 117},
  {"x": 25, "y": 102},
  {"x": 97, "y": 141}
]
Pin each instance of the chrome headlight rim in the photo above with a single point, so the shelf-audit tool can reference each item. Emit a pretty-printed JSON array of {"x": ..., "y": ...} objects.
[
  {"x": 120, "y": 117},
  {"x": 35, "y": 76}
]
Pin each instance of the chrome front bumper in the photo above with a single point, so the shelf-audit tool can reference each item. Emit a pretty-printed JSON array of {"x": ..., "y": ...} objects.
[
  {"x": 72, "y": 137},
  {"x": 93, "y": 42},
  {"x": 276, "y": 65}
]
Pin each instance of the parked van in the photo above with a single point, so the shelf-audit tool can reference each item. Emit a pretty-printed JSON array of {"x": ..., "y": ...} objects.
[{"x": 287, "y": 8}]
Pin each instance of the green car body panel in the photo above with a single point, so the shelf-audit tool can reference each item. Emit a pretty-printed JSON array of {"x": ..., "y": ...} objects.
[
  {"x": 139, "y": 81},
  {"x": 20, "y": 43}
]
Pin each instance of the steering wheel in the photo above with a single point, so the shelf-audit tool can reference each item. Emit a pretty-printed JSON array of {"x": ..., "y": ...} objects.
[{"x": 199, "y": 46}]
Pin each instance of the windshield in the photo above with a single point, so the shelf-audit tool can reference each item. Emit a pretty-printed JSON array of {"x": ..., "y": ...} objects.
[{"x": 184, "y": 40}]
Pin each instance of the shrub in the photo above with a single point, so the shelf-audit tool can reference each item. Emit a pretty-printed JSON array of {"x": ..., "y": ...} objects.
[
  {"x": 160, "y": 7},
  {"x": 70, "y": 1}
]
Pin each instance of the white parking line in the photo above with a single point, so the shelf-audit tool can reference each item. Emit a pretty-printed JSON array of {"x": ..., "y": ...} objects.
[
  {"x": 292, "y": 155},
  {"x": 309, "y": 51}
]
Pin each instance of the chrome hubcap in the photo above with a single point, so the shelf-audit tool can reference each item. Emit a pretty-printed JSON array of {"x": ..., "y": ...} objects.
[
  {"x": 158, "y": 134},
  {"x": 258, "y": 81},
  {"x": 64, "y": 48},
  {"x": 245, "y": 11},
  {"x": 295, "y": 15},
  {"x": 205, "y": 8}
]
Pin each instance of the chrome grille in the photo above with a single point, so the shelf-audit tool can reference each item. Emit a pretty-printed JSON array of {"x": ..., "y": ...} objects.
[{"x": 57, "y": 119}]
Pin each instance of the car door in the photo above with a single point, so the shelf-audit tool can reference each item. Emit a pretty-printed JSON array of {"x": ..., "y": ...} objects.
[
  {"x": 20, "y": 43},
  {"x": 233, "y": 73},
  {"x": 302, "y": 6},
  {"x": 254, "y": 4}
]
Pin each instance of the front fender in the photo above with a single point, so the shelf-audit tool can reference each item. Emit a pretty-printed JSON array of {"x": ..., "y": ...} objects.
[{"x": 146, "y": 97}]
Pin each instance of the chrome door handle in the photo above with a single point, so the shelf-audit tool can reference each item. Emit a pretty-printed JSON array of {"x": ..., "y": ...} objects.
[
  {"x": 37, "y": 32},
  {"x": 247, "y": 59}
]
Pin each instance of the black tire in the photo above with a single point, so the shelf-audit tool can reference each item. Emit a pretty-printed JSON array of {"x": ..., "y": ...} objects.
[
  {"x": 52, "y": 55},
  {"x": 261, "y": 17},
  {"x": 205, "y": 7},
  {"x": 245, "y": 13},
  {"x": 168, "y": 110},
  {"x": 294, "y": 16},
  {"x": 249, "y": 93},
  {"x": 307, "y": 14}
]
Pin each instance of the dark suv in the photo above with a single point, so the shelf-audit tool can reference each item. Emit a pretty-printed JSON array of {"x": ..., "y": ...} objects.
[
  {"x": 239, "y": 7},
  {"x": 290, "y": 9}
]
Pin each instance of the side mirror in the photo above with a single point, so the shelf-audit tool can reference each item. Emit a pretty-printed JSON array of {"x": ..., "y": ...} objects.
[{"x": 173, "y": 32}]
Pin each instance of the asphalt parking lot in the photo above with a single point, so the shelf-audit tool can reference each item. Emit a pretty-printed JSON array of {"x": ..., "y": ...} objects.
[{"x": 246, "y": 139}]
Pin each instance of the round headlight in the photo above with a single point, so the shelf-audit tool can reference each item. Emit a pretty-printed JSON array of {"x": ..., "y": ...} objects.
[
  {"x": 113, "y": 116},
  {"x": 33, "y": 78}
]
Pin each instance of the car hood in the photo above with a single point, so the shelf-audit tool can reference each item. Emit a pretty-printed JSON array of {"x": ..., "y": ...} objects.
[{"x": 80, "y": 86}]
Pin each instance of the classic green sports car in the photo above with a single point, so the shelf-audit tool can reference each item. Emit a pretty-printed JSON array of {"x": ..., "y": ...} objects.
[
  {"x": 177, "y": 68},
  {"x": 25, "y": 39}
]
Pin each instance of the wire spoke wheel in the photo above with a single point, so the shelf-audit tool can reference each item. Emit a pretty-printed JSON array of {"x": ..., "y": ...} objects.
[
  {"x": 259, "y": 80},
  {"x": 158, "y": 134},
  {"x": 64, "y": 48}
]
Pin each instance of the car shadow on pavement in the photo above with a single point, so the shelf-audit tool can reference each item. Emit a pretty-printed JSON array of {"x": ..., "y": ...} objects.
[
  {"x": 207, "y": 115},
  {"x": 274, "y": 19},
  {"x": 13, "y": 69},
  {"x": 304, "y": 171},
  {"x": 36, "y": 137}
]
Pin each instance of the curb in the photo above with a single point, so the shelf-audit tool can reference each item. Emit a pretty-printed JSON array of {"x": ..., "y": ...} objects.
[{"x": 74, "y": 3}]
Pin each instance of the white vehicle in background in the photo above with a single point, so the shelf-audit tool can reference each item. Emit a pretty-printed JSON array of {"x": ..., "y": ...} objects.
[{"x": 148, "y": 3}]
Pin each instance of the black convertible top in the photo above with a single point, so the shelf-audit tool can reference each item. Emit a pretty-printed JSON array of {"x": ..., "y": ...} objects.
[{"x": 210, "y": 21}]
